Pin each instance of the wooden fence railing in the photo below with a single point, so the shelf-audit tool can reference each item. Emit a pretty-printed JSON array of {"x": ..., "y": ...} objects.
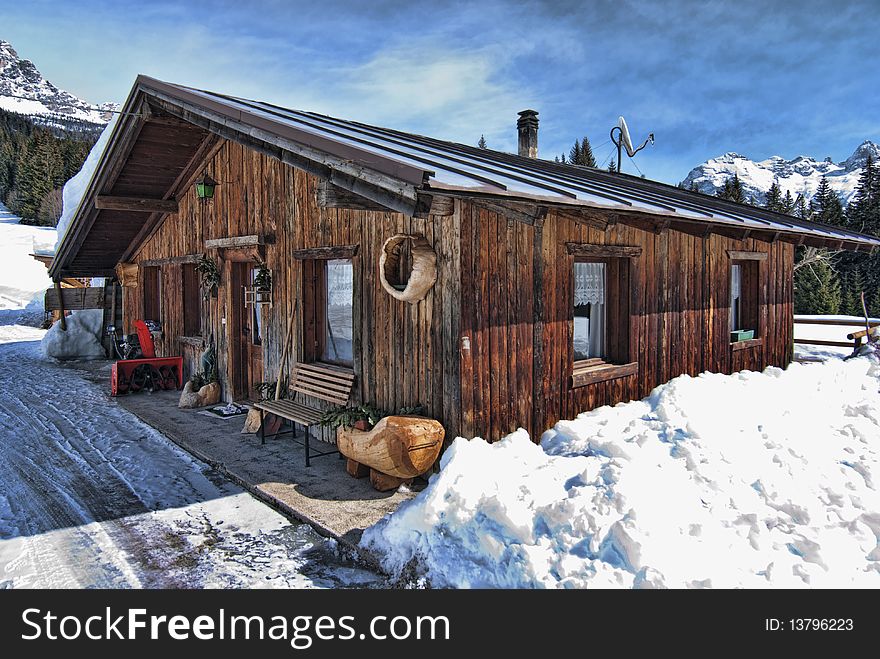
[{"x": 854, "y": 338}]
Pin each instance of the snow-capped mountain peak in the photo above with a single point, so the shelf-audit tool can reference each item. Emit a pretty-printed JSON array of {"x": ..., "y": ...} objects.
[
  {"x": 800, "y": 175},
  {"x": 24, "y": 90},
  {"x": 860, "y": 155}
]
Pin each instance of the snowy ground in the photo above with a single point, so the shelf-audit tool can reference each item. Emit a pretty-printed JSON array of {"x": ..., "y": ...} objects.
[
  {"x": 23, "y": 280},
  {"x": 91, "y": 497},
  {"x": 747, "y": 480}
]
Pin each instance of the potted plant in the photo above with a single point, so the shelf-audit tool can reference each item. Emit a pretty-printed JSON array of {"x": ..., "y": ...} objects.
[
  {"x": 263, "y": 285},
  {"x": 360, "y": 417}
]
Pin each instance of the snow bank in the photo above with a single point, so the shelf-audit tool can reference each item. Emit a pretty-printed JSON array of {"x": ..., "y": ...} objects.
[
  {"x": 745, "y": 480},
  {"x": 23, "y": 280},
  {"x": 75, "y": 188},
  {"x": 82, "y": 340}
]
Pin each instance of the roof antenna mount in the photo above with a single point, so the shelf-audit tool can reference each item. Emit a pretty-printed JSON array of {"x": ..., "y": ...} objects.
[{"x": 623, "y": 140}]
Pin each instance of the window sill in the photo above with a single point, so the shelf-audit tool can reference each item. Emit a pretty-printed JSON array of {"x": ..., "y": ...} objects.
[
  {"x": 582, "y": 376},
  {"x": 194, "y": 341},
  {"x": 743, "y": 345}
]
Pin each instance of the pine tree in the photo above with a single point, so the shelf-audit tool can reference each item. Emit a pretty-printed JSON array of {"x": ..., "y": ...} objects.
[
  {"x": 612, "y": 166},
  {"x": 773, "y": 198},
  {"x": 853, "y": 284},
  {"x": 587, "y": 158},
  {"x": 732, "y": 190},
  {"x": 574, "y": 153},
  {"x": 36, "y": 161},
  {"x": 825, "y": 206},
  {"x": 873, "y": 303},
  {"x": 482, "y": 142},
  {"x": 816, "y": 289},
  {"x": 801, "y": 209},
  {"x": 863, "y": 212},
  {"x": 788, "y": 204},
  {"x": 580, "y": 153}
]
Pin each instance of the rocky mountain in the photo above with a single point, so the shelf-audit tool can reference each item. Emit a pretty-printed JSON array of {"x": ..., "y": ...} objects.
[
  {"x": 24, "y": 90},
  {"x": 800, "y": 175}
]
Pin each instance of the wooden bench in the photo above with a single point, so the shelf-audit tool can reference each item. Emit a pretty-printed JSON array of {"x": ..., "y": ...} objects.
[{"x": 319, "y": 381}]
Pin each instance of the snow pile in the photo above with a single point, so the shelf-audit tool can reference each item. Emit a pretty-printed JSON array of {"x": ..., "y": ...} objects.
[
  {"x": 81, "y": 340},
  {"x": 75, "y": 188},
  {"x": 745, "y": 480}
]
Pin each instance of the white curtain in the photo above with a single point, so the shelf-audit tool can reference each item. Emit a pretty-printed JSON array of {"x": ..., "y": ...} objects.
[
  {"x": 589, "y": 289},
  {"x": 597, "y": 330},
  {"x": 589, "y": 283}
]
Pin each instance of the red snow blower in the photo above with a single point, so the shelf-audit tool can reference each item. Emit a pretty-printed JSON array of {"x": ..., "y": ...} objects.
[{"x": 148, "y": 373}]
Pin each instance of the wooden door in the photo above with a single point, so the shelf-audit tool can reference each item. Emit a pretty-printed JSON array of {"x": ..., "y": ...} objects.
[{"x": 245, "y": 336}]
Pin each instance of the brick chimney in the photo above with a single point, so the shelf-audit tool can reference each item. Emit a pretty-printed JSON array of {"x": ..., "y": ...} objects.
[{"x": 527, "y": 127}]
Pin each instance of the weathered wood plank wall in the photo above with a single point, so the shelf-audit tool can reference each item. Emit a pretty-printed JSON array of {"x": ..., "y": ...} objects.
[
  {"x": 489, "y": 349},
  {"x": 679, "y": 304},
  {"x": 405, "y": 354}
]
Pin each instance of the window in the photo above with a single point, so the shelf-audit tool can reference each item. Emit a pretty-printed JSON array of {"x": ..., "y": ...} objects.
[
  {"x": 744, "y": 296},
  {"x": 192, "y": 303},
  {"x": 600, "y": 331},
  {"x": 328, "y": 304},
  {"x": 600, "y": 315},
  {"x": 589, "y": 310},
  {"x": 152, "y": 293}
]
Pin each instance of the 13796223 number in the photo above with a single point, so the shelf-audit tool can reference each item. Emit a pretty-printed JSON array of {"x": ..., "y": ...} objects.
[{"x": 821, "y": 624}]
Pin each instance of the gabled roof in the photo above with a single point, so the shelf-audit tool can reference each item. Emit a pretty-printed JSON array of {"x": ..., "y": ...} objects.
[{"x": 394, "y": 169}]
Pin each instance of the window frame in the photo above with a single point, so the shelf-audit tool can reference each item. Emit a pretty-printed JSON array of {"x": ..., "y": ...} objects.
[
  {"x": 618, "y": 360},
  {"x": 313, "y": 273},
  {"x": 751, "y": 280},
  {"x": 192, "y": 300}
]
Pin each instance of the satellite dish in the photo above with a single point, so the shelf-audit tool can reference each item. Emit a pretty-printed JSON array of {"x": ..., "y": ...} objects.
[
  {"x": 624, "y": 136},
  {"x": 624, "y": 141}
]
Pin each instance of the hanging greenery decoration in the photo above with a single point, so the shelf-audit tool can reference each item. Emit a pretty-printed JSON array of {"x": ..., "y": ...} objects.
[
  {"x": 207, "y": 269},
  {"x": 263, "y": 278}
]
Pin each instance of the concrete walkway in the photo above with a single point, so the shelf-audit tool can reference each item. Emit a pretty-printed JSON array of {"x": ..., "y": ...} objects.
[{"x": 322, "y": 495}]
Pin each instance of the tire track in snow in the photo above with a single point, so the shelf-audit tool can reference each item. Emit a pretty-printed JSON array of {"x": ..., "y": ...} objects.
[{"x": 92, "y": 497}]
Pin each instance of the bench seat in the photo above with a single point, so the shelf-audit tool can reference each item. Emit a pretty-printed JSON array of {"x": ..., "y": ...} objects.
[
  {"x": 290, "y": 410},
  {"x": 328, "y": 383}
]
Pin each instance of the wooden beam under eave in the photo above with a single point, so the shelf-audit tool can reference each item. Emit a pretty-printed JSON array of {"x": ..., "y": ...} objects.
[
  {"x": 433, "y": 204},
  {"x": 329, "y": 195},
  {"x": 589, "y": 218},
  {"x": 136, "y": 204},
  {"x": 524, "y": 213}
]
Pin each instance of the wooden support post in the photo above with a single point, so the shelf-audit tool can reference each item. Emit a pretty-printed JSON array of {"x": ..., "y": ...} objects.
[{"x": 61, "y": 306}]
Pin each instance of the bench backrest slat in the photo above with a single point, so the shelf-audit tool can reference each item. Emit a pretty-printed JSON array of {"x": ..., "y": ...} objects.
[{"x": 323, "y": 382}]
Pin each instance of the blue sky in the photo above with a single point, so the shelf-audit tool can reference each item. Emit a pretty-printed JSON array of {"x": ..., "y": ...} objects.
[{"x": 759, "y": 78}]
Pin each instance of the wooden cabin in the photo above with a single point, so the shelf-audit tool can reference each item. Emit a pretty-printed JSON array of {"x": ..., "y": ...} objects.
[{"x": 543, "y": 290}]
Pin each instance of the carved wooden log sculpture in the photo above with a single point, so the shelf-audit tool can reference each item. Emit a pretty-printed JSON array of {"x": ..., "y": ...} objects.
[
  {"x": 424, "y": 267},
  {"x": 127, "y": 274},
  {"x": 399, "y": 446}
]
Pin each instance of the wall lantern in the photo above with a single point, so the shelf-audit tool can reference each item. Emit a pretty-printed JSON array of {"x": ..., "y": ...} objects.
[{"x": 205, "y": 187}]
